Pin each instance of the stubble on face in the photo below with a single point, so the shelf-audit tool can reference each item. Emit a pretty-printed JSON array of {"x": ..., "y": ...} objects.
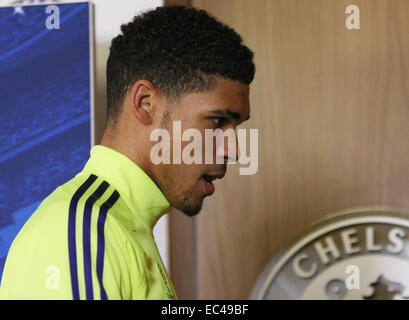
[
  {"x": 183, "y": 184},
  {"x": 168, "y": 177}
]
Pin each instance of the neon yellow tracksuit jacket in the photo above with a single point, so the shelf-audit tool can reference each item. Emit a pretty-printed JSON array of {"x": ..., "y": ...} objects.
[{"x": 92, "y": 238}]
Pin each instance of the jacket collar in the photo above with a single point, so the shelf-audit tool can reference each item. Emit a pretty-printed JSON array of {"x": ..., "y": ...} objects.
[{"x": 136, "y": 188}]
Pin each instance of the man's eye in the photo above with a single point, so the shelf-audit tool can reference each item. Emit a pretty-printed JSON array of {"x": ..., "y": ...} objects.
[{"x": 219, "y": 122}]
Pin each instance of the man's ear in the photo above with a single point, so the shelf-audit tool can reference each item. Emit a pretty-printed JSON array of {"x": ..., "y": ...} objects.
[{"x": 141, "y": 101}]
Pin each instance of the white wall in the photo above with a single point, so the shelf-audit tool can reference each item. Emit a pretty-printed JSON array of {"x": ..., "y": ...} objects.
[{"x": 108, "y": 16}]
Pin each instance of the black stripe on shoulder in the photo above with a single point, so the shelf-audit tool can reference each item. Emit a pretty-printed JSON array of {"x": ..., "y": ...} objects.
[{"x": 72, "y": 249}]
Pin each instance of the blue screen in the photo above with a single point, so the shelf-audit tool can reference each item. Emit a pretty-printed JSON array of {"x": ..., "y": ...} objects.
[{"x": 45, "y": 133}]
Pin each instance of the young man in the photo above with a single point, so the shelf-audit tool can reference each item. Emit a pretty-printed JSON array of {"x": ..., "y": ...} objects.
[{"x": 92, "y": 237}]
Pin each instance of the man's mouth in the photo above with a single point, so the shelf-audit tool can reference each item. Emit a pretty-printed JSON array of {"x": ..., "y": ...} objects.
[{"x": 208, "y": 181}]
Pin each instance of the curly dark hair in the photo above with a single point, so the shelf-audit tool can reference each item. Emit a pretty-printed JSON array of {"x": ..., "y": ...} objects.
[{"x": 179, "y": 50}]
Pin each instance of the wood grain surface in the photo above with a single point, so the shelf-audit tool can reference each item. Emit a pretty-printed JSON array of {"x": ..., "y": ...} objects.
[{"x": 332, "y": 109}]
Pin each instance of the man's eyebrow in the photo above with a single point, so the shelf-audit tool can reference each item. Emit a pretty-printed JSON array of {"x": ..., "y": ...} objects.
[{"x": 233, "y": 114}]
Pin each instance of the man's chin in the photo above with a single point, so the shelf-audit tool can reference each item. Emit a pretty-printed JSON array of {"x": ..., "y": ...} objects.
[
  {"x": 189, "y": 203},
  {"x": 191, "y": 213},
  {"x": 190, "y": 209}
]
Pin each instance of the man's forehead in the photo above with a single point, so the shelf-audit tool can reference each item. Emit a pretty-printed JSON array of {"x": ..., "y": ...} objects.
[
  {"x": 238, "y": 116},
  {"x": 227, "y": 98}
]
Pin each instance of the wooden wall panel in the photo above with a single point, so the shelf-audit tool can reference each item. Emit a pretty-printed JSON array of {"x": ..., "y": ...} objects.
[{"x": 332, "y": 109}]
